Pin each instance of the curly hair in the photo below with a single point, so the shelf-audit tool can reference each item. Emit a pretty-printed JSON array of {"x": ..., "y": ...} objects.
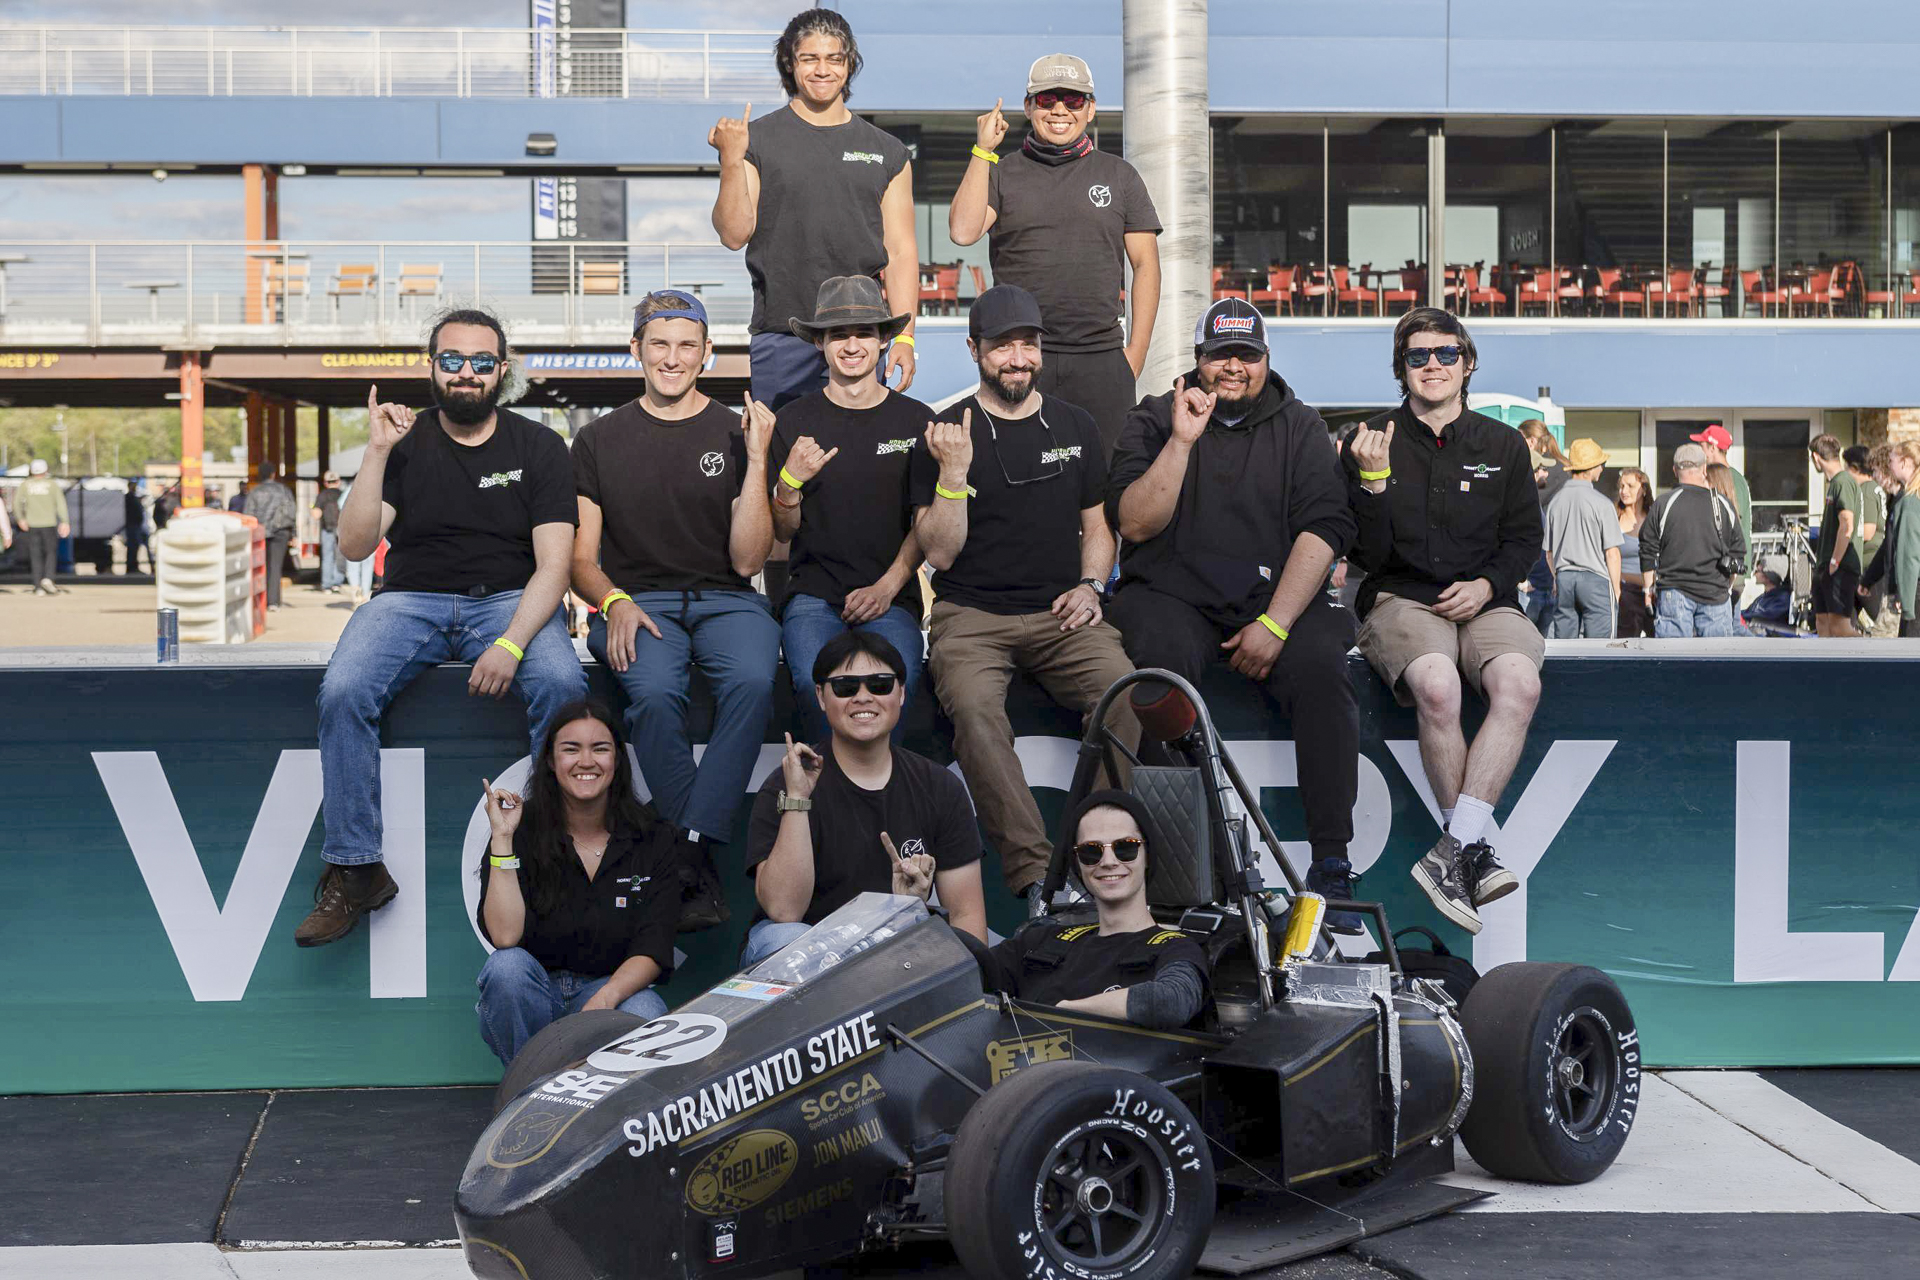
[
  {"x": 814, "y": 22},
  {"x": 467, "y": 315}
]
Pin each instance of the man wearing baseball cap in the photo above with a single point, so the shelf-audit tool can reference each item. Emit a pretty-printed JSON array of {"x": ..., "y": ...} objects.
[
  {"x": 1583, "y": 550},
  {"x": 1691, "y": 547},
  {"x": 1007, "y": 507},
  {"x": 1232, "y": 510},
  {"x": 40, "y": 510},
  {"x": 1716, "y": 442},
  {"x": 1064, "y": 220}
]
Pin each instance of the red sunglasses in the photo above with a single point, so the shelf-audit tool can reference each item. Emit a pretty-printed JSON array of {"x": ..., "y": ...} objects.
[{"x": 1047, "y": 99}]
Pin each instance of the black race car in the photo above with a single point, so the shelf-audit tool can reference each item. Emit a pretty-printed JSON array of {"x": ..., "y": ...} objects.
[{"x": 870, "y": 1087}]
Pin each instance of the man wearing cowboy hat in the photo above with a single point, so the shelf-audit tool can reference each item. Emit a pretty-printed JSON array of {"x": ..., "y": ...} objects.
[
  {"x": 1583, "y": 550},
  {"x": 838, "y": 466}
]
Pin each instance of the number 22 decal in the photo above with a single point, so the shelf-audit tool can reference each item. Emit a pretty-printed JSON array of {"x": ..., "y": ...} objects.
[{"x": 676, "y": 1038}]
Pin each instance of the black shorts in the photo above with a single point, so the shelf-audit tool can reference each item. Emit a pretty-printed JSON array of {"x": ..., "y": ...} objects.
[{"x": 1837, "y": 592}]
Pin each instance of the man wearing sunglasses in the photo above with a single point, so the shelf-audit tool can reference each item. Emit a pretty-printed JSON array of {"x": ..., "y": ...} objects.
[
  {"x": 477, "y": 508},
  {"x": 858, "y": 814},
  {"x": 1449, "y": 526},
  {"x": 1228, "y": 495},
  {"x": 1007, "y": 508},
  {"x": 1064, "y": 220},
  {"x": 1127, "y": 966}
]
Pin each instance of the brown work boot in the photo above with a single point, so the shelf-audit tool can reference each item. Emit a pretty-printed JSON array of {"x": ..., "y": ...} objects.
[{"x": 343, "y": 895}]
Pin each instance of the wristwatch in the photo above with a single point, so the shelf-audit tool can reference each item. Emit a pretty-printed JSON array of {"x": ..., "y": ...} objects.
[
  {"x": 792, "y": 804},
  {"x": 1099, "y": 587}
]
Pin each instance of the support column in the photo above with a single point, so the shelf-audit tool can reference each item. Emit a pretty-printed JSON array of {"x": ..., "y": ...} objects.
[
  {"x": 289, "y": 441},
  {"x": 324, "y": 444},
  {"x": 193, "y": 434},
  {"x": 256, "y": 432},
  {"x": 1437, "y": 216},
  {"x": 1170, "y": 141},
  {"x": 261, "y": 226}
]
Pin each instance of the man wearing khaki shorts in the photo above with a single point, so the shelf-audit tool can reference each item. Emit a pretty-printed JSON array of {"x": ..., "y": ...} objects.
[{"x": 1449, "y": 525}]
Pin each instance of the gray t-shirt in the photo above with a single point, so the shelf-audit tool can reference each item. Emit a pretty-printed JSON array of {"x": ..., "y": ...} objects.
[{"x": 1581, "y": 525}]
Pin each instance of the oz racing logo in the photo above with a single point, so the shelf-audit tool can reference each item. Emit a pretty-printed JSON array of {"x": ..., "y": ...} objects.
[
  {"x": 712, "y": 464},
  {"x": 1101, "y": 195}
]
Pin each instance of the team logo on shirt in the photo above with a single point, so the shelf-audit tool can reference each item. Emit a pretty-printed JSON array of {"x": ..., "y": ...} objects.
[
  {"x": 1101, "y": 195},
  {"x": 913, "y": 848},
  {"x": 1479, "y": 471},
  {"x": 712, "y": 464},
  {"x": 863, "y": 157},
  {"x": 1061, "y": 455},
  {"x": 499, "y": 478},
  {"x": 893, "y": 446}
]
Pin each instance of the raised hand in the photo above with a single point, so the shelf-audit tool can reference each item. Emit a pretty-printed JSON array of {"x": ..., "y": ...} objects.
[
  {"x": 387, "y": 423},
  {"x": 990, "y": 127},
  {"x": 804, "y": 463},
  {"x": 951, "y": 444},
  {"x": 1370, "y": 447},
  {"x": 729, "y": 136},
  {"x": 756, "y": 423},
  {"x": 1192, "y": 409},
  {"x": 912, "y": 877},
  {"x": 799, "y": 769},
  {"x": 504, "y": 808}
]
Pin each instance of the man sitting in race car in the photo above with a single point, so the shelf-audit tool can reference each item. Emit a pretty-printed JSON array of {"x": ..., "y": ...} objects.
[
  {"x": 858, "y": 814},
  {"x": 1126, "y": 966}
]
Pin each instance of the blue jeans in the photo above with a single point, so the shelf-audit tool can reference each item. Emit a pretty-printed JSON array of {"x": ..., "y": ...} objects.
[
  {"x": 360, "y": 575},
  {"x": 807, "y": 625},
  {"x": 1677, "y": 615},
  {"x": 519, "y": 999},
  {"x": 783, "y": 368},
  {"x": 387, "y": 643},
  {"x": 767, "y": 937},
  {"x": 330, "y": 574},
  {"x": 1538, "y": 604},
  {"x": 1584, "y": 607},
  {"x": 732, "y": 637}
]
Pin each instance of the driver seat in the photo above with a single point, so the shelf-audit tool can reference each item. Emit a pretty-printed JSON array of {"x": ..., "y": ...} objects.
[{"x": 1180, "y": 870}]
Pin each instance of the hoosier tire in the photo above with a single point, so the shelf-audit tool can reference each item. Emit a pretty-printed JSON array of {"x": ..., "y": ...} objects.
[
  {"x": 559, "y": 1044},
  {"x": 1556, "y": 1062},
  {"x": 1075, "y": 1171}
]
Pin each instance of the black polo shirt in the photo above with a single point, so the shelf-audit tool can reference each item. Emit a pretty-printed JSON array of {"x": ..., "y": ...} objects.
[
  {"x": 1460, "y": 505},
  {"x": 1048, "y": 966},
  {"x": 631, "y": 907}
]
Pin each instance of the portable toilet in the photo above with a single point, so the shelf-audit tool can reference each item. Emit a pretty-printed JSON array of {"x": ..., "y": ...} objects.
[{"x": 1513, "y": 411}]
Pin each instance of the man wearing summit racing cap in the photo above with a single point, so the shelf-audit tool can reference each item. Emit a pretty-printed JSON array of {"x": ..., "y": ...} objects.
[{"x": 1064, "y": 220}]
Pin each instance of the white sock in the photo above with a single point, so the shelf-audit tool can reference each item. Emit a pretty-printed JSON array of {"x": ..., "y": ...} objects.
[
  {"x": 1470, "y": 819},
  {"x": 1446, "y": 818}
]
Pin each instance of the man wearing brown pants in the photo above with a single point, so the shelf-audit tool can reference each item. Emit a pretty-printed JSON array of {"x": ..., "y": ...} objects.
[{"x": 1008, "y": 507}]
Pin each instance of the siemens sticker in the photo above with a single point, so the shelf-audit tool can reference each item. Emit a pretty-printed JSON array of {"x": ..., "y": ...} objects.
[{"x": 714, "y": 1103}]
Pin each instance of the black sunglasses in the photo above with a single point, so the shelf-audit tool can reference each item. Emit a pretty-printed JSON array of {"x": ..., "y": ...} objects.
[
  {"x": 1416, "y": 358},
  {"x": 1046, "y": 99},
  {"x": 450, "y": 362},
  {"x": 1127, "y": 848},
  {"x": 1051, "y": 451},
  {"x": 879, "y": 685}
]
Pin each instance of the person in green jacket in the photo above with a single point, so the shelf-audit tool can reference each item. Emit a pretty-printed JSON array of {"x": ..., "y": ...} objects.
[
  {"x": 40, "y": 512},
  {"x": 1898, "y": 560}
]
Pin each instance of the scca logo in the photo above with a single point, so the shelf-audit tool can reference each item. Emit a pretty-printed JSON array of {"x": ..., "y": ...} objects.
[{"x": 849, "y": 1095}]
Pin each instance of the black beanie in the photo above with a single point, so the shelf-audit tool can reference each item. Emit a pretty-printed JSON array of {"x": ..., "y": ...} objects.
[{"x": 1119, "y": 800}]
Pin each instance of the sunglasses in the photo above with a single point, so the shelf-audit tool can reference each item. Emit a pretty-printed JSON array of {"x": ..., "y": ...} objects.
[
  {"x": 847, "y": 686},
  {"x": 1127, "y": 848},
  {"x": 1048, "y": 99},
  {"x": 451, "y": 361},
  {"x": 1417, "y": 357}
]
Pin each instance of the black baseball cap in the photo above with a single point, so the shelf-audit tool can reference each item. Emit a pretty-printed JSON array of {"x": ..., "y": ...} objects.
[
  {"x": 1231, "y": 322},
  {"x": 1002, "y": 309}
]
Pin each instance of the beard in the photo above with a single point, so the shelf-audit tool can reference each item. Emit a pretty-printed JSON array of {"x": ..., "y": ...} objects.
[
  {"x": 1011, "y": 386},
  {"x": 465, "y": 406}
]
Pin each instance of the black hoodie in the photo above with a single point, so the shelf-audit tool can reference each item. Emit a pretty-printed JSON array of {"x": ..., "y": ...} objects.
[{"x": 1250, "y": 489}]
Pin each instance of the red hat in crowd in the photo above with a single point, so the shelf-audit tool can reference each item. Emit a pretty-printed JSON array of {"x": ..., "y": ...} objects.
[{"x": 1715, "y": 435}]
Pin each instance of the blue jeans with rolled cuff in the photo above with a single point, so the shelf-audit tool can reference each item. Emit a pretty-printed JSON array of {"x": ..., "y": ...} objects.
[
  {"x": 388, "y": 642},
  {"x": 519, "y": 999},
  {"x": 767, "y": 937},
  {"x": 809, "y": 622}
]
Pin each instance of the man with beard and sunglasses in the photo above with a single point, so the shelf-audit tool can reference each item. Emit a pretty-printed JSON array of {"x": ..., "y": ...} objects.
[
  {"x": 1064, "y": 220},
  {"x": 1008, "y": 510},
  {"x": 858, "y": 814},
  {"x": 476, "y": 504},
  {"x": 1229, "y": 499},
  {"x": 1449, "y": 525}
]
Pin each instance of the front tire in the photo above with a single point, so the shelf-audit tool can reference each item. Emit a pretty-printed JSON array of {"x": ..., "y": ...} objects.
[
  {"x": 561, "y": 1043},
  {"x": 1556, "y": 1061},
  {"x": 1075, "y": 1170}
]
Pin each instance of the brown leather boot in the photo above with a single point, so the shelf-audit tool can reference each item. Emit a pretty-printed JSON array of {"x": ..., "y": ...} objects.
[{"x": 343, "y": 895}]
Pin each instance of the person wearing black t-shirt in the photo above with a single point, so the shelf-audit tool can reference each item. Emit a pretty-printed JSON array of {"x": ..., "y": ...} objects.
[
  {"x": 813, "y": 191},
  {"x": 326, "y": 513},
  {"x": 673, "y": 524},
  {"x": 858, "y": 814},
  {"x": 477, "y": 508},
  {"x": 839, "y": 461},
  {"x": 579, "y": 895},
  {"x": 1127, "y": 966},
  {"x": 1064, "y": 220},
  {"x": 1008, "y": 509}
]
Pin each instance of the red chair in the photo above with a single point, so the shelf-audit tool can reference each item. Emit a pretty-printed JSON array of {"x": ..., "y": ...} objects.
[
  {"x": 1613, "y": 288},
  {"x": 1315, "y": 287},
  {"x": 1570, "y": 293},
  {"x": 1413, "y": 287},
  {"x": 979, "y": 279},
  {"x": 1345, "y": 291},
  {"x": 1675, "y": 292},
  {"x": 1820, "y": 292},
  {"x": 1279, "y": 291},
  {"x": 1222, "y": 290},
  {"x": 1478, "y": 295},
  {"x": 1537, "y": 290},
  {"x": 1896, "y": 297},
  {"x": 939, "y": 286},
  {"x": 1706, "y": 292}
]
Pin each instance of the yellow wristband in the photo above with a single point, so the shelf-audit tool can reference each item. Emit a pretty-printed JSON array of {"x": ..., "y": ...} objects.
[
  {"x": 991, "y": 157},
  {"x": 906, "y": 339},
  {"x": 505, "y": 864},
  {"x": 945, "y": 492},
  {"x": 1273, "y": 626},
  {"x": 615, "y": 594},
  {"x": 1376, "y": 475},
  {"x": 786, "y": 478},
  {"x": 512, "y": 648}
]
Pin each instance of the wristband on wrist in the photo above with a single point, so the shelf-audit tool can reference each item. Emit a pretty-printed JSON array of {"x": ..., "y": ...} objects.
[
  {"x": 512, "y": 648},
  {"x": 1376, "y": 475},
  {"x": 991, "y": 157},
  {"x": 786, "y": 478},
  {"x": 943, "y": 491},
  {"x": 611, "y": 596},
  {"x": 505, "y": 864},
  {"x": 906, "y": 339},
  {"x": 1273, "y": 626}
]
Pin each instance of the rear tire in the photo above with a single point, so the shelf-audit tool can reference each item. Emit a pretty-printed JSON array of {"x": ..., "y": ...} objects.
[
  {"x": 1072, "y": 1169},
  {"x": 1556, "y": 1062},
  {"x": 559, "y": 1044}
]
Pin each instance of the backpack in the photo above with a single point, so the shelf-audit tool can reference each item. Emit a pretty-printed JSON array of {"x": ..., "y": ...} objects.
[{"x": 1455, "y": 975}]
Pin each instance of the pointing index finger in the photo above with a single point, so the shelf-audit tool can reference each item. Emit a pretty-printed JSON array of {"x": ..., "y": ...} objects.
[{"x": 373, "y": 397}]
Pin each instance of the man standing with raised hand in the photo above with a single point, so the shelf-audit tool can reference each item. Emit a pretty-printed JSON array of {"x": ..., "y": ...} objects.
[
  {"x": 812, "y": 191},
  {"x": 1063, "y": 220}
]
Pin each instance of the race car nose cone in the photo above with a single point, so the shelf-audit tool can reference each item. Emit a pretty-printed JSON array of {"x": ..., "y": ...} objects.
[{"x": 1095, "y": 1196}]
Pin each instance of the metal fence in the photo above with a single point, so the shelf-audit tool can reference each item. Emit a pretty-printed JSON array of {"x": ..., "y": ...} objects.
[
  {"x": 382, "y": 62},
  {"x": 304, "y": 292}
]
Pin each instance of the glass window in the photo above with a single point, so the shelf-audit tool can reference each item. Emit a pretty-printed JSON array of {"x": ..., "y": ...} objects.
[
  {"x": 1904, "y": 287},
  {"x": 1377, "y": 194},
  {"x": 1499, "y": 183},
  {"x": 1668, "y": 435},
  {"x": 1719, "y": 215},
  {"x": 1269, "y": 204},
  {"x": 1833, "y": 188},
  {"x": 1608, "y": 212},
  {"x": 1774, "y": 461}
]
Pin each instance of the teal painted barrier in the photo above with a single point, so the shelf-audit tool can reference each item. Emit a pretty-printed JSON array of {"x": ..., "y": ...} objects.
[{"x": 1733, "y": 838}]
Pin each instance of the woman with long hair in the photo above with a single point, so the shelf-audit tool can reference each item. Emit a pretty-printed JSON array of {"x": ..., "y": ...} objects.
[
  {"x": 1898, "y": 560},
  {"x": 1633, "y": 498},
  {"x": 1720, "y": 480},
  {"x": 580, "y": 892},
  {"x": 1540, "y": 599}
]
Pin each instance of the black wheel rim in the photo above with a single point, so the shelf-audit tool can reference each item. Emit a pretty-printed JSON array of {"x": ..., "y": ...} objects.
[
  {"x": 1101, "y": 1198},
  {"x": 1584, "y": 1070}
]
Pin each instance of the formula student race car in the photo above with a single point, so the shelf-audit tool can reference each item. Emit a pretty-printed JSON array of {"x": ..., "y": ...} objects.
[{"x": 870, "y": 1087}]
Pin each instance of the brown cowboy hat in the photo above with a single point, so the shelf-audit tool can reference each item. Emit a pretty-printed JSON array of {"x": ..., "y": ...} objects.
[{"x": 849, "y": 300}]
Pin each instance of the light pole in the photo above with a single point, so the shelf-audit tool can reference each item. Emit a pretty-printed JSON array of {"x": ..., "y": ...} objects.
[{"x": 60, "y": 428}]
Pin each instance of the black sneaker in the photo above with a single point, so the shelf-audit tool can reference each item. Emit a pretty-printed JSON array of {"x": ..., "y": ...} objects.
[
  {"x": 1491, "y": 881},
  {"x": 1447, "y": 876},
  {"x": 1335, "y": 878}
]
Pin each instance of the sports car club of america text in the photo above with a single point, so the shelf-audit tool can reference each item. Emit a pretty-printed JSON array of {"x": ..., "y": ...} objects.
[{"x": 774, "y": 1074}]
